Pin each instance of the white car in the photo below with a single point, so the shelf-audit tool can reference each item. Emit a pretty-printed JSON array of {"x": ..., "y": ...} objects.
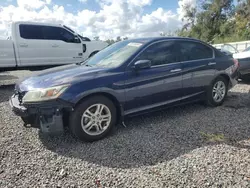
[
  {"x": 43, "y": 44},
  {"x": 243, "y": 58}
]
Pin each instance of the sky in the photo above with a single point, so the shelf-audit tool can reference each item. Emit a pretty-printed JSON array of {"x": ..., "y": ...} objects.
[{"x": 104, "y": 18}]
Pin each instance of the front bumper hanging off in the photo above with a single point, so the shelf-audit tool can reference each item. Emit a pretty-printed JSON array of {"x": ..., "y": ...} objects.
[{"x": 47, "y": 116}]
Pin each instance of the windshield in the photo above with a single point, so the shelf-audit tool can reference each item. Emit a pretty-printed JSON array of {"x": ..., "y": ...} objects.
[{"x": 114, "y": 55}]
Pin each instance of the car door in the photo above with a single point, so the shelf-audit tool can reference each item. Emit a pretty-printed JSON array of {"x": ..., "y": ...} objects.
[
  {"x": 198, "y": 66},
  {"x": 65, "y": 47},
  {"x": 158, "y": 85},
  {"x": 33, "y": 50}
]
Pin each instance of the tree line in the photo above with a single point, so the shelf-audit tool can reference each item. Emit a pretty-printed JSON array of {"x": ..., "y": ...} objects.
[
  {"x": 112, "y": 41},
  {"x": 217, "y": 21}
]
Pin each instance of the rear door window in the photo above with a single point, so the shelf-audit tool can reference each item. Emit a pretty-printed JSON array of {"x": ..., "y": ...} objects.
[
  {"x": 31, "y": 31},
  {"x": 194, "y": 51}
]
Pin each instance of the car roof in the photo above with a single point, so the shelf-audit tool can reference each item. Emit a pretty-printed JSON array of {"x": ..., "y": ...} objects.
[
  {"x": 37, "y": 23},
  {"x": 155, "y": 39}
]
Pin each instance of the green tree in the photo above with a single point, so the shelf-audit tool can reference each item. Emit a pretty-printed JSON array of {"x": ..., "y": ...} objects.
[
  {"x": 209, "y": 20},
  {"x": 118, "y": 39},
  {"x": 110, "y": 41}
]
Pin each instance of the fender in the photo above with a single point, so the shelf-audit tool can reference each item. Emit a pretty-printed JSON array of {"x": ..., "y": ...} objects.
[{"x": 109, "y": 93}]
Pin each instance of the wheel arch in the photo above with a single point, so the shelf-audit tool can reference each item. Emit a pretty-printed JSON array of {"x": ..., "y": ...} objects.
[
  {"x": 118, "y": 105},
  {"x": 93, "y": 53},
  {"x": 225, "y": 76}
]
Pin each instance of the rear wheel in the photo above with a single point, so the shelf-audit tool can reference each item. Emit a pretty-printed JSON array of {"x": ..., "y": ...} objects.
[
  {"x": 93, "y": 119},
  {"x": 217, "y": 91}
]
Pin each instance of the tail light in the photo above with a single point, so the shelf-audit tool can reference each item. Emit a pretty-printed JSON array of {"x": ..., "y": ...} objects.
[{"x": 236, "y": 63}]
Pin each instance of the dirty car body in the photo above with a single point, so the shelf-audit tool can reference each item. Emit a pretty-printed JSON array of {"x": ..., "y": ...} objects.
[{"x": 141, "y": 78}]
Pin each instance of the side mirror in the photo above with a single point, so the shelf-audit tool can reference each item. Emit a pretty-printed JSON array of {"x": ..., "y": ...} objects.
[
  {"x": 142, "y": 64},
  {"x": 77, "y": 40}
]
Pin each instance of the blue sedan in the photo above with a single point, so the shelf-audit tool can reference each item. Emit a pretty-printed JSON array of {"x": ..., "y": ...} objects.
[{"x": 127, "y": 78}]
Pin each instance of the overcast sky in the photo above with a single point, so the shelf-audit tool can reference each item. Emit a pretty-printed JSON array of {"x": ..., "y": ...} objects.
[{"x": 104, "y": 18}]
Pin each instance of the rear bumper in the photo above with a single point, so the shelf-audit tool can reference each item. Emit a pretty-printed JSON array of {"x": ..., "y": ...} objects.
[
  {"x": 47, "y": 117},
  {"x": 233, "y": 82},
  {"x": 233, "y": 77}
]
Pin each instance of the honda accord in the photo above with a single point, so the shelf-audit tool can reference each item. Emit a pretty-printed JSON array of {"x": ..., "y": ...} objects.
[{"x": 127, "y": 78}]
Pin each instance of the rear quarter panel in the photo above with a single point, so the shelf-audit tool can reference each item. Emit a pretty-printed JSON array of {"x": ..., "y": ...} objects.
[{"x": 225, "y": 66}]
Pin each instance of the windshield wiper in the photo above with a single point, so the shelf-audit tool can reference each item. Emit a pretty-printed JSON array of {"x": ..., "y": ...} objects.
[
  {"x": 84, "y": 63},
  {"x": 79, "y": 63},
  {"x": 87, "y": 65}
]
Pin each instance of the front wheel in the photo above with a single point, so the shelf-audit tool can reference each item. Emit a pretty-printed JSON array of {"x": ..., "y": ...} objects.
[
  {"x": 217, "y": 91},
  {"x": 93, "y": 119}
]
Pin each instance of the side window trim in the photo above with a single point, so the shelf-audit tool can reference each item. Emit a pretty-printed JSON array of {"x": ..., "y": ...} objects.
[
  {"x": 133, "y": 60},
  {"x": 156, "y": 66}
]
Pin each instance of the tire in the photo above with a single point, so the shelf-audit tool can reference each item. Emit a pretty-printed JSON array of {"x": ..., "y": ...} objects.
[
  {"x": 211, "y": 101},
  {"x": 81, "y": 120}
]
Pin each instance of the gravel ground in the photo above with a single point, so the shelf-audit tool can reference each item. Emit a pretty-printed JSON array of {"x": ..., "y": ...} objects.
[{"x": 190, "y": 146}]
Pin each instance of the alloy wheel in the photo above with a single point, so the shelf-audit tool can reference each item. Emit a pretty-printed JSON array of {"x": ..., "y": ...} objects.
[
  {"x": 96, "y": 119},
  {"x": 219, "y": 91}
]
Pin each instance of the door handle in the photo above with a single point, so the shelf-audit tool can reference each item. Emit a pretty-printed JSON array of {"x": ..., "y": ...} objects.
[
  {"x": 211, "y": 63},
  {"x": 54, "y": 45},
  {"x": 24, "y": 45},
  {"x": 176, "y": 70}
]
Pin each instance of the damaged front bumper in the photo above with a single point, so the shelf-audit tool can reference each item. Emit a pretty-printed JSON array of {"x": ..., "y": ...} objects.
[{"x": 47, "y": 115}]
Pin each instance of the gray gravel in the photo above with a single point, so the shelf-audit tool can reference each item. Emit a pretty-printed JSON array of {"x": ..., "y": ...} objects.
[{"x": 188, "y": 146}]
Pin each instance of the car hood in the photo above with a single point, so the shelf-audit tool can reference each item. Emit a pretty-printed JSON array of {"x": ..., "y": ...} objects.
[
  {"x": 241, "y": 55},
  {"x": 58, "y": 76}
]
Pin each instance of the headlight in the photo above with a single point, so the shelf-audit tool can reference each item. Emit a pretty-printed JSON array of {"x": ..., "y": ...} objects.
[{"x": 44, "y": 94}]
